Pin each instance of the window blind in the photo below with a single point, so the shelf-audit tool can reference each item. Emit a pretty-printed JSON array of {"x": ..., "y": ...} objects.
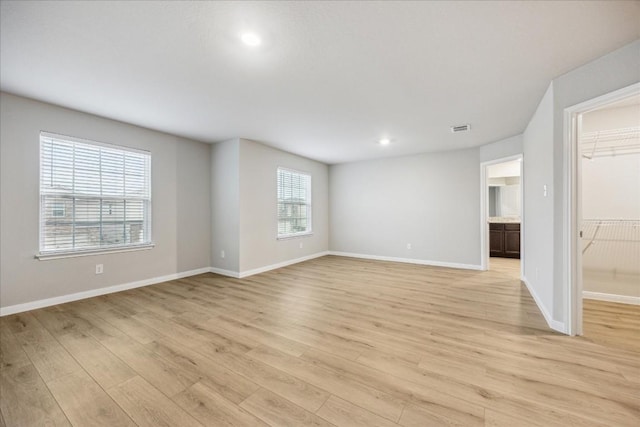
[
  {"x": 294, "y": 203},
  {"x": 92, "y": 196}
]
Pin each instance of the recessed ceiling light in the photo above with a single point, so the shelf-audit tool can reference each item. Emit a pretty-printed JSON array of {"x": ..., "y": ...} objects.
[
  {"x": 384, "y": 141},
  {"x": 251, "y": 39}
]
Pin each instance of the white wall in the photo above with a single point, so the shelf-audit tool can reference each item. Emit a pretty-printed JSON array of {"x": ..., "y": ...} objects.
[
  {"x": 259, "y": 246},
  {"x": 193, "y": 190},
  {"x": 611, "y": 187},
  {"x": 538, "y": 209},
  {"x": 611, "y": 184},
  {"x": 177, "y": 178},
  {"x": 431, "y": 201},
  {"x": 225, "y": 205},
  {"x": 500, "y": 149}
]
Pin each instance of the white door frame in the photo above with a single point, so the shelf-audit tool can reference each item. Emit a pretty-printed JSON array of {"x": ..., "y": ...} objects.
[
  {"x": 572, "y": 206},
  {"x": 484, "y": 210}
]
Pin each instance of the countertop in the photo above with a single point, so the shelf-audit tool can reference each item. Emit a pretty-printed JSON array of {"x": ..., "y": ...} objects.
[{"x": 505, "y": 219}]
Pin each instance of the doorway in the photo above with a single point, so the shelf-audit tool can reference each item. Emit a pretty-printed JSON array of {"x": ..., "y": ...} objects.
[
  {"x": 501, "y": 223},
  {"x": 602, "y": 234},
  {"x": 609, "y": 142}
]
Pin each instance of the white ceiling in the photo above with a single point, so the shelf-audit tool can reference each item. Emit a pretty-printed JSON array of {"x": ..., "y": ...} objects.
[{"x": 330, "y": 77}]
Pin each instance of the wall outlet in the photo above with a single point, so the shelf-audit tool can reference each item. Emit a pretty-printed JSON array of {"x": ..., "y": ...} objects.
[
  {"x": 408, "y": 245},
  {"x": 301, "y": 245},
  {"x": 222, "y": 254},
  {"x": 99, "y": 268}
]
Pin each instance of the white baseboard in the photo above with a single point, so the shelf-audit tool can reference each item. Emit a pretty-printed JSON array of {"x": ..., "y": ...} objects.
[
  {"x": 19, "y": 308},
  {"x": 258, "y": 270},
  {"x": 408, "y": 260},
  {"x": 624, "y": 299},
  {"x": 223, "y": 272},
  {"x": 247, "y": 273},
  {"x": 553, "y": 324},
  {"x": 33, "y": 305}
]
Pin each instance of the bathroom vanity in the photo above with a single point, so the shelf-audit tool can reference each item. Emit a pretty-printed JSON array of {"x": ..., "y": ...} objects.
[{"x": 504, "y": 237}]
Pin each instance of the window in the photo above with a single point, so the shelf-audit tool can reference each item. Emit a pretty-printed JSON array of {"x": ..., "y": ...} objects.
[
  {"x": 294, "y": 203},
  {"x": 58, "y": 209},
  {"x": 93, "y": 196}
]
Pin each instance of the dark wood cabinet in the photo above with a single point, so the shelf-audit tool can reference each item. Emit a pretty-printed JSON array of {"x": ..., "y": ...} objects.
[{"x": 504, "y": 240}]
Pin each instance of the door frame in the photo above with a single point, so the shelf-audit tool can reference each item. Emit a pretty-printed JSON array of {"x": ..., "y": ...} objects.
[
  {"x": 484, "y": 210},
  {"x": 572, "y": 204}
]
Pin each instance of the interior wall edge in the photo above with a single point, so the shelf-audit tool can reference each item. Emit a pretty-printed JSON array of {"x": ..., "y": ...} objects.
[{"x": 553, "y": 324}]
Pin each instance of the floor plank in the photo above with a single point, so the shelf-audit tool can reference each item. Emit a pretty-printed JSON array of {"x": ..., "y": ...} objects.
[
  {"x": 105, "y": 368},
  {"x": 277, "y": 411},
  {"x": 85, "y": 402},
  {"x": 372, "y": 399},
  {"x": 210, "y": 408},
  {"x": 342, "y": 413},
  {"x": 26, "y": 400},
  {"x": 228, "y": 383},
  {"x": 149, "y": 407},
  {"x": 298, "y": 391},
  {"x": 45, "y": 352}
]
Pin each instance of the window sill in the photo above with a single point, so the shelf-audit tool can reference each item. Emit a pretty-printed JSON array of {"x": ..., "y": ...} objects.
[
  {"x": 293, "y": 236},
  {"x": 101, "y": 251}
]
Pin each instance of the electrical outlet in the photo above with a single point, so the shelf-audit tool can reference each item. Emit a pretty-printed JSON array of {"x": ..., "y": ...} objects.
[
  {"x": 408, "y": 245},
  {"x": 301, "y": 245},
  {"x": 99, "y": 268},
  {"x": 222, "y": 254}
]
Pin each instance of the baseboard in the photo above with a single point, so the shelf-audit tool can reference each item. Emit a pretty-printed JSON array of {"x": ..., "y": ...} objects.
[
  {"x": 553, "y": 324},
  {"x": 33, "y": 305},
  {"x": 259, "y": 270},
  {"x": 408, "y": 260},
  {"x": 624, "y": 299},
  {"x": 223, "y": 272},
  {"x": 19, "y": 308}
]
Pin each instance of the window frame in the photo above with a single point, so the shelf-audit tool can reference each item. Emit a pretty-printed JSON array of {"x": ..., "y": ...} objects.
[
  {"x": 72, "y": 253},
  {"x": 308, "y": 202}
]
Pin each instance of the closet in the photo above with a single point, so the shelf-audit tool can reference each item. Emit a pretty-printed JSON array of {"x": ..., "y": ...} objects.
[{"x": 610, "y": 147}]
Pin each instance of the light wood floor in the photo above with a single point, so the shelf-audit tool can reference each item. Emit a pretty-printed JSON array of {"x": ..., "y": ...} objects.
[{"x": 332, "y": 341}]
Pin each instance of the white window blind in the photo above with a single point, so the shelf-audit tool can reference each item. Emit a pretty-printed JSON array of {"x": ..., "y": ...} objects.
[
  {"x": 92, "y": 196},
  {"x": 294, "y": 203}
]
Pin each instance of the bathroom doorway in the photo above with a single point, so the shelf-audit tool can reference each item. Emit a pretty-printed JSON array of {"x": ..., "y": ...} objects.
[{"x": 502, "y": 216}]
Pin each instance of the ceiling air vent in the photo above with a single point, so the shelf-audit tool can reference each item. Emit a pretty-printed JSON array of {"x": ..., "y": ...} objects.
[{"x": 460, "y": 128}]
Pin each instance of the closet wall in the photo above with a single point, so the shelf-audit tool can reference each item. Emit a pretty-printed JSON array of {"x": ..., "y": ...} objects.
[{"x": 610, "y": 143}]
